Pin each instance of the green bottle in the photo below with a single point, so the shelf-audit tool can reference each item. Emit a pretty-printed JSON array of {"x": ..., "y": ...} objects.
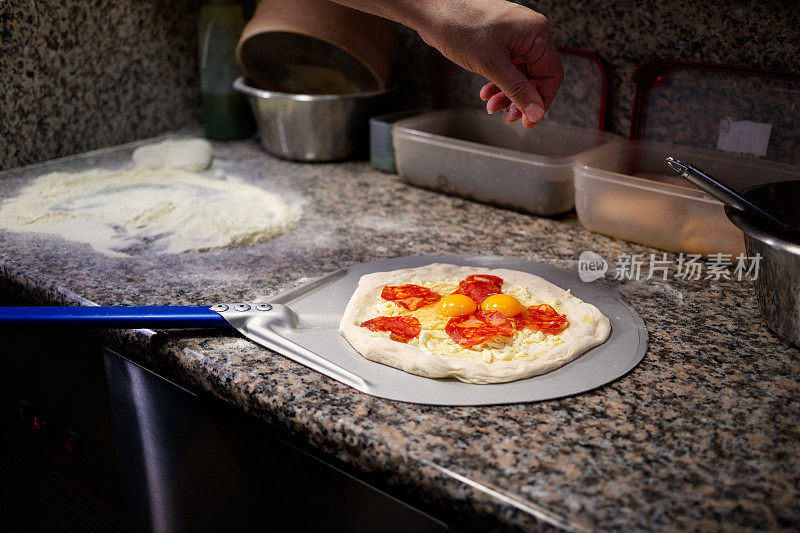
[{"x": 226, "y": 114}]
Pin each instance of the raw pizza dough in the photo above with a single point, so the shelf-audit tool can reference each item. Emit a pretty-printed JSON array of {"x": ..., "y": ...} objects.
[
  {"x": 139, "y": 211},
  {"x": 528, "y": 354}
]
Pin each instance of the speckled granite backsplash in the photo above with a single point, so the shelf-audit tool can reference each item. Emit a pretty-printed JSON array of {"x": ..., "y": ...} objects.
[
  {"x": 75, "y": 76},
  {"x": 81, "y": 75},
  {"x": 625, "y": 33}
]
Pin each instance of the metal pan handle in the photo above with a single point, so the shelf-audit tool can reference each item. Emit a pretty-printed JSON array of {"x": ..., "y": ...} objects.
[{"x": 720, "y": 191}]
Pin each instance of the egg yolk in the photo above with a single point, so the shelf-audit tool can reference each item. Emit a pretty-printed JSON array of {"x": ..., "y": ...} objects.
[
  {"x": 508, "y": 305},
  {"x": 457, "y": 305}
]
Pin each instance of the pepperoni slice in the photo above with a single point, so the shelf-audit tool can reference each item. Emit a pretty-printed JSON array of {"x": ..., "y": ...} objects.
[
  {"x": 479, "y": 286},
  {"x": 500, "y": 322},
  {"x": 541, "y": 318},
  {"x": 486, "y": 278},
  {"x": 476, "y": 328},
  {"x": 412, "y": 297},
  {"x": 402, "y": 328}
]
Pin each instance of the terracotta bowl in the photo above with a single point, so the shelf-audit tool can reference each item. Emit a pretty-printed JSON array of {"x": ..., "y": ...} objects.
[{"x": 316, "y": 47}]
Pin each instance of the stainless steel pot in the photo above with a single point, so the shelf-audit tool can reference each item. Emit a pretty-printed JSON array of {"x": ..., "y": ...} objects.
[
  {"x": 778, "y": 283},
  {"x": 313, "y": 127}
]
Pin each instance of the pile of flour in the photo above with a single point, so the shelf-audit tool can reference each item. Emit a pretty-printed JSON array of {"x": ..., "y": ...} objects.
[{"x": 149, "y": 210}]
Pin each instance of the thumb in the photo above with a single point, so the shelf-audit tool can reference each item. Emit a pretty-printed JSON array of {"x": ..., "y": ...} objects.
[{"x": 519, "y": 89}]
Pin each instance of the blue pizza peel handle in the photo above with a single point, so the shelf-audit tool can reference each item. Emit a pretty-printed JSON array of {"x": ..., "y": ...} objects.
[{"x": 122, "y": 317}]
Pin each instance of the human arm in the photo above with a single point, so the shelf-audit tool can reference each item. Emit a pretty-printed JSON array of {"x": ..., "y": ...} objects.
[{"x": 504, "y": 42}]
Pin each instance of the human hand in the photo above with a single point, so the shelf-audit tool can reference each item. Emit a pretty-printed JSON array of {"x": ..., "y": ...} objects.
[{"x": 503, "y": 42}]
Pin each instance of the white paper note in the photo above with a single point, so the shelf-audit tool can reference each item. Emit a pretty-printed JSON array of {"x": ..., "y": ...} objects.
[{"x": 744, "y": 136}]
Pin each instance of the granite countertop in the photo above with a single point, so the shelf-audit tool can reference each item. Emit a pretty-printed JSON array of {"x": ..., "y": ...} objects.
[{"x": 703, "y": 434}]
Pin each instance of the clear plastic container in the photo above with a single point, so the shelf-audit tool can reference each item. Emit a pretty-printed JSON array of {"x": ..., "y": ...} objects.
[
  {"x": 381, "y": 147},
  {"x": 697, "y": 104},
  {"x": 626, "y": 190},
  {"x": 468, "y": 153}
]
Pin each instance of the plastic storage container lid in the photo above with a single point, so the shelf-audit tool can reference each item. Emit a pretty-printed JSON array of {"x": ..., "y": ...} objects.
[
  {"x": 474, "y": 155},
  {"x": 627, "y": 191},
  {"x": 473, "y": 131},
  {"x": 581, "y": 99},
  {"x": 705, "y": 105},
  {"x": 642, "y": 164}
]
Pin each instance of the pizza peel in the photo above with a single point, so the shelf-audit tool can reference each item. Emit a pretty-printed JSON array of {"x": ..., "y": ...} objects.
[{"x": 303, "y": 325}]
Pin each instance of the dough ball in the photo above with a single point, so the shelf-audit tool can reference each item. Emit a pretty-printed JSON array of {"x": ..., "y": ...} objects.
[{"x": 192, "y": 155}]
